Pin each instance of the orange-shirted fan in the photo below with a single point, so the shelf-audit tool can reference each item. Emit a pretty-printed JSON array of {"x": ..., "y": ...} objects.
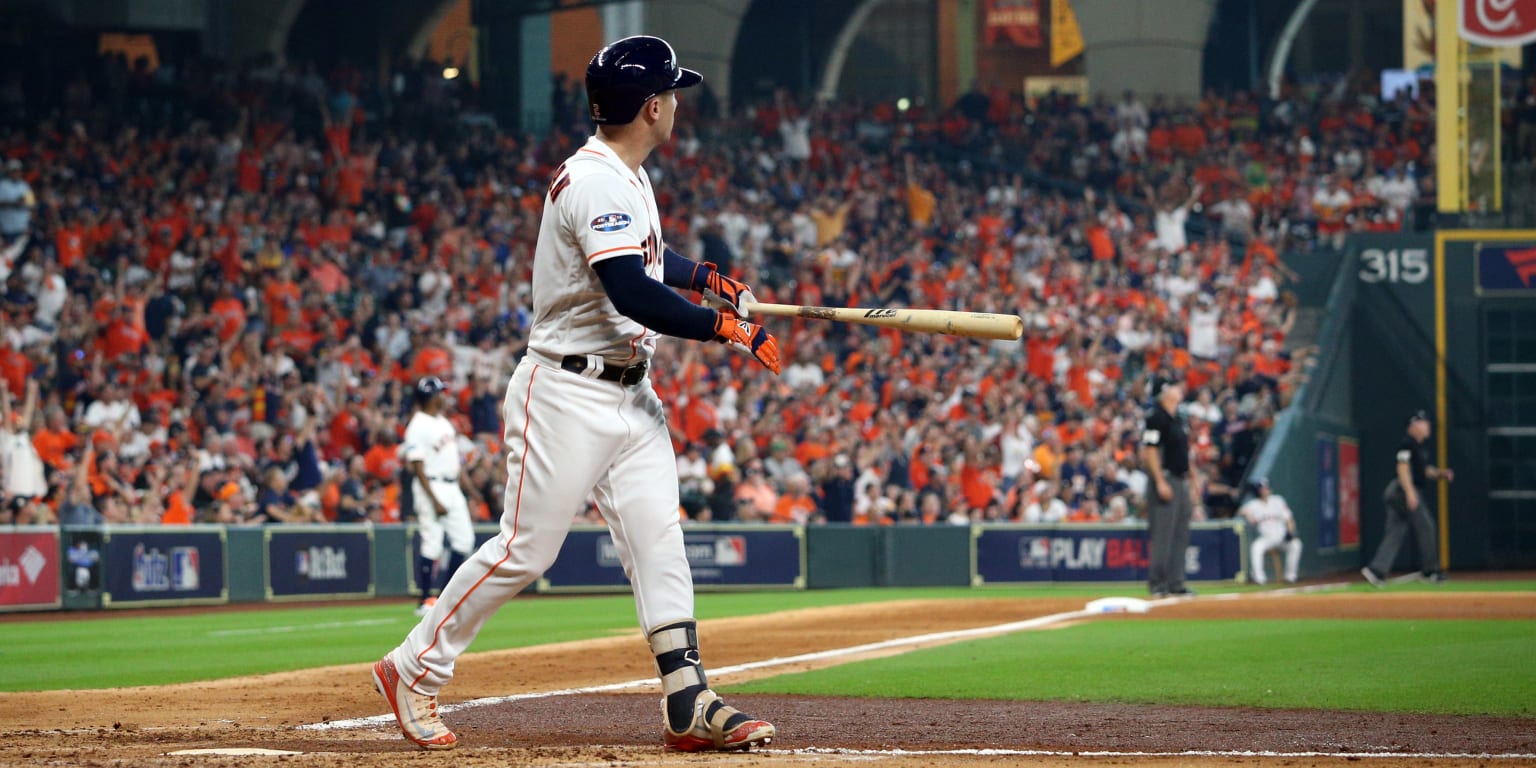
[{"x": 177, "y": 510}]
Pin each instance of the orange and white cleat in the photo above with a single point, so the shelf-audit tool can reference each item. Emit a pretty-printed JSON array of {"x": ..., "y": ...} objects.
[
  {"x": 416, "y": 713},
  {"x": 716, "y": 727}
]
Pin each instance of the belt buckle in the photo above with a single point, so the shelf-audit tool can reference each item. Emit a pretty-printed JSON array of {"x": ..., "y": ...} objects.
[{"x": 633, "y": 375}]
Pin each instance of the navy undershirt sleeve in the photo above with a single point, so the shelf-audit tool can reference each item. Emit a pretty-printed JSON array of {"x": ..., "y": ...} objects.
[
  {"x": 678, "y": 270},
  {"x": 644, "y": 300}
]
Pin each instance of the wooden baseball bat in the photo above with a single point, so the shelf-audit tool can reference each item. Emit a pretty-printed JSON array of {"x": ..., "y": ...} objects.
[{"x": 976, "y": 325}]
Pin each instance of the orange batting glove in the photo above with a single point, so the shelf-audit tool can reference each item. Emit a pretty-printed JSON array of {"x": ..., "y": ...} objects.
[
  {"x": 748, "y": 337},
  {"x": 722, "y": 291}
]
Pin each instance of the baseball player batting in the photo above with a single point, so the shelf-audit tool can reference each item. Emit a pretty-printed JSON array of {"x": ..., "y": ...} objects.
[
  {"x": 431, "y": 452},
  {"x": 581, "y": 418}
]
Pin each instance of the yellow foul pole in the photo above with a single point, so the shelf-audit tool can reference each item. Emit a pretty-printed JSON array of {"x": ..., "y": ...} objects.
[{"x": 1450, "y": 110}]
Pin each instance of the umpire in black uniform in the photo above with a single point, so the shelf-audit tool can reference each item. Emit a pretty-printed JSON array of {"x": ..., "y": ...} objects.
[
  {"x": 1404, "y": 498},
  {"x": 1165, "y": 452}
]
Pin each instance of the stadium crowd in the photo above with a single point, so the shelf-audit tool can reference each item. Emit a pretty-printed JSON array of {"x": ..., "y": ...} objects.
[{"x": 220, "y": 285}]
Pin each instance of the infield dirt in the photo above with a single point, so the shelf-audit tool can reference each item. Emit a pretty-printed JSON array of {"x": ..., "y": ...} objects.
[{"x": 139, "y": 726}]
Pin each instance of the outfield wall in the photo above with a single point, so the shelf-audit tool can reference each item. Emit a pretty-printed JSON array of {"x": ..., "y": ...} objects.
[
  {"x": 1446, "y": 323},
  {"x": 1443, "y": 323},
  {"x": 1312, "y": 455},
  {"x": 46, "y": 568}
]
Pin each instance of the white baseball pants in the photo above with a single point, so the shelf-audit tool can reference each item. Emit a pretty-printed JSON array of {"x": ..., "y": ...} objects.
[
  {"x": 1263, "y": 545},
  {"x": 566, "y": 436},
  {"x": 454, "y": 525}
]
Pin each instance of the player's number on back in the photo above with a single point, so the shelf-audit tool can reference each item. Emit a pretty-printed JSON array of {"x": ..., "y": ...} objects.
[{"x": 1409, "y": 265}]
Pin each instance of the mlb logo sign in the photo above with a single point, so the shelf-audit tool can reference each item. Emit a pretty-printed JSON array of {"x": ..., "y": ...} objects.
[
  {"x": 184, "y": 569},
  {"x": 1497, "y": 23},
  {"x": 1035, "y": 552},
  {"x": 730, "y": 550}
]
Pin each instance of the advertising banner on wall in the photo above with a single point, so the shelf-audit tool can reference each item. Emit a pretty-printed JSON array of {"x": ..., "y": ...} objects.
[
  {"x": 82, "y": 560},
  {"x": 1012, "y": 22},
  {"x": 163, "y": 566},
  {"x": 1506, "y": 269},
  {"x": 720, "y": 556},
  {"x": 1327, "y": 493},
  {"x": 1419, "y": 32},
  {"x": 1010, "y": 553},
  {"x": 1349, "y": 493},
  {"x": 1497, "y": 23},
  {"x": 29, "y": 568},
  {"x": 307, "y": 562}
]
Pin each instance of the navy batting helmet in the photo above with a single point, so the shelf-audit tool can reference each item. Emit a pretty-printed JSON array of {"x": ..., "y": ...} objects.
[
  {"x": 627, "y": 73},
  {"x": 428, "y": 387}
]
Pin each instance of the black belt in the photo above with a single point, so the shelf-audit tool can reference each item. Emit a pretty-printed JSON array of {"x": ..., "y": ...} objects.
[
  {"x": 443, "y": 479},
  {"x": 629, "y": 377}
]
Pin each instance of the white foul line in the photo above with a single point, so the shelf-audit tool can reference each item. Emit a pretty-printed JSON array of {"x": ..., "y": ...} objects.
[
  {"x": 1185, "y": 753},
  {"x": 650, "y": 682}
]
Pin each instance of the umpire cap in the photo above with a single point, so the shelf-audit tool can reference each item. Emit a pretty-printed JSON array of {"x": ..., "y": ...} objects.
[
  {"x": 427, "y": 387},
  {"x": 627, "y": 73}
]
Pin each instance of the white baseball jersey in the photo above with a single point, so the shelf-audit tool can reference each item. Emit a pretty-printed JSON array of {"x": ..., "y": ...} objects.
[
  {"x": 433, "y": 441},
  {"x": 1271, "y": 516},
  {"x": 596, "y": 209}
]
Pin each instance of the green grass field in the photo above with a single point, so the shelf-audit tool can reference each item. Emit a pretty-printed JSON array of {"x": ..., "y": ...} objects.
[
  {"x": 1452, "y": 667},
  {"x": 103, "y": 651},
  {"x": 1446, "y": 666}
]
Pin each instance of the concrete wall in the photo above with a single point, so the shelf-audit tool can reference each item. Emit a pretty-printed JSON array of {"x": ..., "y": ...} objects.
[{"x": 1148, "y": 46}]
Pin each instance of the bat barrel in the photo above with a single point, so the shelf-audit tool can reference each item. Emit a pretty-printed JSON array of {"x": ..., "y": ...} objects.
[{"x": 978, "y": 325}]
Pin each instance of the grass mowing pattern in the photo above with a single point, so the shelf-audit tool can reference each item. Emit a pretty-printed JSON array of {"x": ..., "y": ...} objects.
[{"x": 1450, "y": 667}]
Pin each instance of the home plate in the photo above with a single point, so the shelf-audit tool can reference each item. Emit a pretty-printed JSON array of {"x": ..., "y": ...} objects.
[
  {"x": 1118, "y": 605},
  {"x": 240, "y": 751}
]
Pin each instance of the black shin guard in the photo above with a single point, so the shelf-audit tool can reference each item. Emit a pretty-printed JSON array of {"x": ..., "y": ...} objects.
[{"x": 676, "y": 647}]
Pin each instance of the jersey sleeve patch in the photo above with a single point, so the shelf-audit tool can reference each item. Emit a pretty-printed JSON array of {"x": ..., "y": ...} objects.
[
  {"x": 611, "y": 222},
  {"x": 1404, "y": 456},
  {"x": 1151, "y": 437}
]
